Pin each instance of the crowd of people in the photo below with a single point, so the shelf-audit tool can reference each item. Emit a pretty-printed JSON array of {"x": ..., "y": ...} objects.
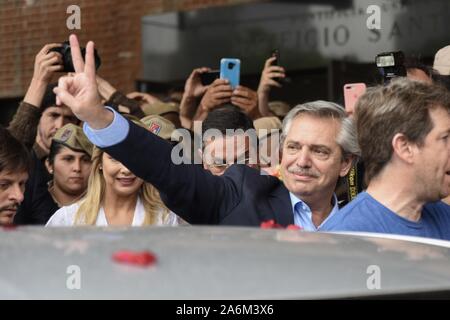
[{"x": 80, "y": 152}]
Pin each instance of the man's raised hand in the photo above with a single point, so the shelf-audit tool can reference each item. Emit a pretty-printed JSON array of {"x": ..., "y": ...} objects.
[{"x": 80, "y": 92}]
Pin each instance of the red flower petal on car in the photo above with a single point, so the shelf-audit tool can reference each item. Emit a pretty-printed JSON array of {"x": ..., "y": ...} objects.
[
  {"x": 144, "y": 258},
  {"x": 293, "y": 227},
  {"x": 268, "y": 224}
]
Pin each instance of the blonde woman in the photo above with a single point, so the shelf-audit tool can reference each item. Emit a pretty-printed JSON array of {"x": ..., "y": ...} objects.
[{"x": 115, "y": 197}]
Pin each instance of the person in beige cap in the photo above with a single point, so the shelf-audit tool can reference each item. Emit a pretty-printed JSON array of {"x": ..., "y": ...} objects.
[
  {"x": 268, "y": 130},
  {"x": 442, "y": 61},
  {"x": 69, "y": 164}
]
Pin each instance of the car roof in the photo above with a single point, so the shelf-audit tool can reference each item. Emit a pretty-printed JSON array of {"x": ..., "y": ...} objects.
[{"x": 215, "y": 263}]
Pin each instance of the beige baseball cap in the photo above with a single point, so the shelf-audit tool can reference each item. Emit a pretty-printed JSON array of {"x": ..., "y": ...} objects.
[
  {"x": 160, "y": 108},
  {"x": 267, "y": 123},
  {"x": 442, "y": 61},
  {"x": 73, "y": 137},
  {"x": 279, "y": 108},
  {"x": 159, "y": 126}
]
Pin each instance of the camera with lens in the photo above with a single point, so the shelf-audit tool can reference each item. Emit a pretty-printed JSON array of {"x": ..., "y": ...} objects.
[
  {"x": 391, "y": 65},
  {"x": 67, "y": 57}
]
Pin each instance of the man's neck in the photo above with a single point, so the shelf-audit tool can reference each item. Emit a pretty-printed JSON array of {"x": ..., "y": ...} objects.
[
  {"x": 320, "y": 209},
  {"x": 395, "y": 192},
  {"x": 41, "y": 150}
]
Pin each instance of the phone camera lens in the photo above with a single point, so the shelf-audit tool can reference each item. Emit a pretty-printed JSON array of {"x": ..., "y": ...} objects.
[{"x": 231, "y": 65}]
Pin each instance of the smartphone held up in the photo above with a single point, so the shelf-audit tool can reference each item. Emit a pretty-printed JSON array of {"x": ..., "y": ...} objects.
[
  {"x": 230, "y": 69},
  {"x": 276, "y": 62},
  {"x": 352, "y": 92}
]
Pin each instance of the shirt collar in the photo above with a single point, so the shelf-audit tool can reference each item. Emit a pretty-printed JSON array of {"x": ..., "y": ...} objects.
[{"x": 305, "y": 210}]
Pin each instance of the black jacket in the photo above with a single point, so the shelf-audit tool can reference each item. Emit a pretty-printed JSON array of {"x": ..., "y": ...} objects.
[
  {"x": 38, "y": 205},
  {"x": 242, "y": 196}
]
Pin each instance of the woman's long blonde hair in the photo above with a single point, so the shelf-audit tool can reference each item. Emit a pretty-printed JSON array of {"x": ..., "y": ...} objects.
[{"x": 90, "y": 205}]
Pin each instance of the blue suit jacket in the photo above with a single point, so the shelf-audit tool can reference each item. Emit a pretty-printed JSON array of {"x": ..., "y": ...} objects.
[{"x": 242, "y": 196}]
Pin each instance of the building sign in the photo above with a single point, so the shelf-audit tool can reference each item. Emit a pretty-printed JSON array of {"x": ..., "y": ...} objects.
[{"x": 307, "y": 35}]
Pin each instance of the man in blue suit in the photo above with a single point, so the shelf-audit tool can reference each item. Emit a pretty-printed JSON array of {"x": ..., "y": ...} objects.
[{"x": 319, "y": 146}]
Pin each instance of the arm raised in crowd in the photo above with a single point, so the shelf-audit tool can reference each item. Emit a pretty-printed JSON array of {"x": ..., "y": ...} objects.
[
  {"x": 190, "y": 191},
  {"x": 268, "y": 76},
  {"x": 117, "y": 100},
  {"x": 143, "y": 97},
  {"x": 24, "y": 124},
  {"x": 193, "y": 91},
  {"x": 45, "y": 65}
]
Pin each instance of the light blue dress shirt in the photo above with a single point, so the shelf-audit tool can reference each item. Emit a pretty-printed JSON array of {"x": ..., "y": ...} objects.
[
  {"x": 113, "y": 134},
  {"x": 303, "y": 214}
]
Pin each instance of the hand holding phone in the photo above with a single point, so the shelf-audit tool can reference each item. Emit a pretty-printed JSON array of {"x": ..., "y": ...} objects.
[
  {"x": 270, "y": 76},
  {"x": 245, "y": 98},
  {"x": 230, "y": 69},
  {"x": 218, "y": 93},
  {"x": 276, "y": 62},
  {"x": 352, "y": 92}
]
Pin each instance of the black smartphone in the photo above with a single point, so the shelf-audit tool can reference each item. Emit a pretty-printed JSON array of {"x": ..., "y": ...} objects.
[
  {"x": 276, "y": 62},
  {"x": 276, "y": 54},
  {"x": 208, "y": 77}
]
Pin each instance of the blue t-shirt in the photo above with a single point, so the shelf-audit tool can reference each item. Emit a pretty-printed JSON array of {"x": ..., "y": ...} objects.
[{"x": 366, "y": 214}]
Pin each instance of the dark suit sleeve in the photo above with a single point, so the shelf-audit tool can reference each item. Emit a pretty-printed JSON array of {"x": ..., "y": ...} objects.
[{"x": 188, "y": 190}]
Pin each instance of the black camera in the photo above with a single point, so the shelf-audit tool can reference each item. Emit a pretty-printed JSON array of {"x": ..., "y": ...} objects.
[
  {"x": 391, "y": 65},
  {"x": 67, "y": 57},
  {"x": 209, "y": 77}
]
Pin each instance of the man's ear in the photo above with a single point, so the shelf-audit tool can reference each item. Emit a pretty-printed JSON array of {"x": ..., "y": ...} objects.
[
  {"x": 402, "y": 148},
  {"x": 48, "y": 166},
  {"x": 346, "y": 164}
]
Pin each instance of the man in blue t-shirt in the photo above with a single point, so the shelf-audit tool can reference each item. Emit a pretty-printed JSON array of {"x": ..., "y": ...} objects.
[{"x": 403, "y": 131}]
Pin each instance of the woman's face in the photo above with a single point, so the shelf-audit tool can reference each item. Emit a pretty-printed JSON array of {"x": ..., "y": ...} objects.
[
  {"x": 118, "y": 178},
  {"x": 71, "y": 171}
]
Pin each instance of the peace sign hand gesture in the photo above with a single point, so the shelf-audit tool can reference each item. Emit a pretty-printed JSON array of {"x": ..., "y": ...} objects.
[{"x": 79, "y": 92}]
